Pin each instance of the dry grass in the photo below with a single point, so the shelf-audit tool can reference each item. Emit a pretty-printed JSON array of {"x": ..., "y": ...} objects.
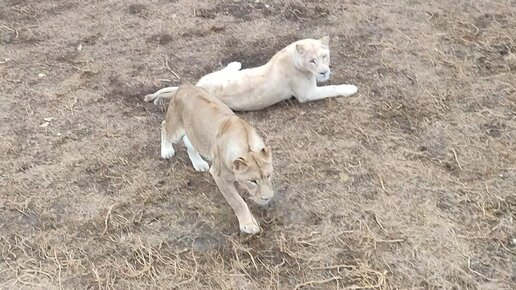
[{"x": 411, "y": 184}]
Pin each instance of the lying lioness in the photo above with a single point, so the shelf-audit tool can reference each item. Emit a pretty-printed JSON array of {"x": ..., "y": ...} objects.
[
  {"x": 239, "y": 155},
  {"x": 293, "y": 71}
]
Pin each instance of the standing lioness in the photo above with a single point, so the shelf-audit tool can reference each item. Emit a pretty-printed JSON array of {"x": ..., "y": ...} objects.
[{"x": 238, "y": 154}]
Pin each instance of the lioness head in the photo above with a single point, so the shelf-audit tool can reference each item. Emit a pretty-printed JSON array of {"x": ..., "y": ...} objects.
[
  {"x": 254, "y": 172},
  {"x": 314, "y": 57}
]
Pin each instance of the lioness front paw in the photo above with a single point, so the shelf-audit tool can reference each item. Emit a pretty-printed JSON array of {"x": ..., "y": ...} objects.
[
  {"x": 347, "y": 90},
  {"x": 200, "y": 165},
  {"x": 234, "y": 66},
  {"x": 167, "y": 152},
  {"x": 250, "y": 227}
]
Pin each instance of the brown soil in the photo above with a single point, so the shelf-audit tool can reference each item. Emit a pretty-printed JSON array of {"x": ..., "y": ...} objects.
[{"x": 409, "y": 184}]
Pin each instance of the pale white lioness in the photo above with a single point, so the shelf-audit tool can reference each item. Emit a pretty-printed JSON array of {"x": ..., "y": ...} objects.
[
  {"x": 238, "y": 154},
  {"x": 293, "y": 71}
]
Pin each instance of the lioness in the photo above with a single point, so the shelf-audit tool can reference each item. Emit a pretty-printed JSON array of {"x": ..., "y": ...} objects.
[
  {"x": 239, "y": 155},
  {"x": 293, "y": 71}
]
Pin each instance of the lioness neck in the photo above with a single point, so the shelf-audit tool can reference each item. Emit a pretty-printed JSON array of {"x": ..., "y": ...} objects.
[
  {"x": 237, "y": 138},
  {"x": 283, "y": 56}
]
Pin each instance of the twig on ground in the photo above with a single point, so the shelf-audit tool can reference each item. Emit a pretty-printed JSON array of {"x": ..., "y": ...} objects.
[
  {"x": 456, "y": 159},
  {"x": 378, "y": 221},
  {"x": 317, "y": 282},
  {"x": 12, "y": 30},
  {"x": 59, "y": 269},
  {"x": 196, "y": 268},
  {"x": 383, "y": 185},
  {"x": 478, "y": 273},
  {"x": 71, "y": 106},
  {"x": 170, "y": 70},
  {"x": 334, "y": 267},
  {"x": 106, "y": 220}
]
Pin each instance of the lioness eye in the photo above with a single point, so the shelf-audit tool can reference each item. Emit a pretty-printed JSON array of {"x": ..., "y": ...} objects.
[
  {"x": 253, "y": 181},
  {"x": 312, "y": 61}
]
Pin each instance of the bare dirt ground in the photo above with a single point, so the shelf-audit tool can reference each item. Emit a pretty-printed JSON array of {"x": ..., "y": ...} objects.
[{"x": 409, "y": 184}]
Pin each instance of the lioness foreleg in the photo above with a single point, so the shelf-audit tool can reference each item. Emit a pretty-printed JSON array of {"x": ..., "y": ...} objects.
[
  {"x": 198, "y": 163},
  {"x": 319, "y": 93},
  {"x": 245, "y": 218}
]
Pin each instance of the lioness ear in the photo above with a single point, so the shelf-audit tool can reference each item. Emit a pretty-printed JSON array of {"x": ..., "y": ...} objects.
[
  {"x": 239, "y": 164},
  {"x": 266, "y": 151},
  {"x": 300, "y": 48},
  {"x": 325, "y": 40}
]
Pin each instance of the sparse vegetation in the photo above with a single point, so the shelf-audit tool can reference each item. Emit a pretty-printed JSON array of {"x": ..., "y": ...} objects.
[{"x": 408, "y": 185}]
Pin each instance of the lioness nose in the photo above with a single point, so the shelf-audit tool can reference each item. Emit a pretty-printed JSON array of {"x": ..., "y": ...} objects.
[{"x": 324, "y": 73}]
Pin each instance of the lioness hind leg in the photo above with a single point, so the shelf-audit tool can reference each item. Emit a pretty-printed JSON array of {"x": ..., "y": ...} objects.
[
  {"x": 198, "y": 163},
  {"x": 171, "y": 132},
  {"x": 167, "y": 149}
]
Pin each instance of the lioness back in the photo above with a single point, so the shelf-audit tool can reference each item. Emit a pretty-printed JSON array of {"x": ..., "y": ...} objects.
[
  {"x": 202, "y": 115},
  {"x": 191, "y": 98}
]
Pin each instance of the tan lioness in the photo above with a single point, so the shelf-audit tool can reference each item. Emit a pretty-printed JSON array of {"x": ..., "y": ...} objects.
[
  {"x": 293, "y": 71},
  {"x": 238, "y": 154}
]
